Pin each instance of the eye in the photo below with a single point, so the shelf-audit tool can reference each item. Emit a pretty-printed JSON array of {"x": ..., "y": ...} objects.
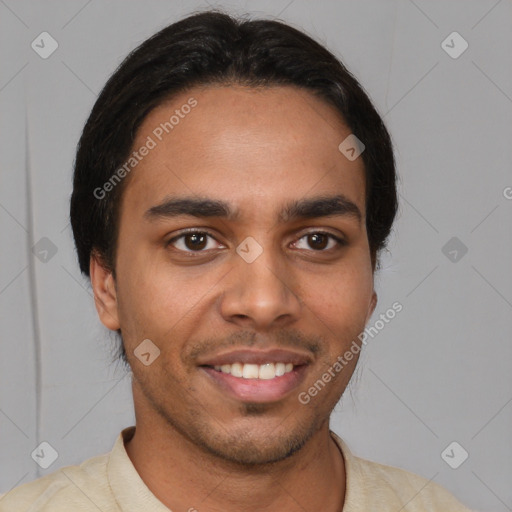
[
  {"x": 321, "y": 241},
  {"x": 193, "y": 241}
]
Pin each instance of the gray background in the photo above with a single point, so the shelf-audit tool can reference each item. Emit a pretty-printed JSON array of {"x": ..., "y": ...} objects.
[{"x": 438, "y": 372}]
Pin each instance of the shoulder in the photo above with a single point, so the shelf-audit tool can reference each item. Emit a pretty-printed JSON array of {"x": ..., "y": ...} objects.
[
  {"x": 370, "y": 484},
  {"x": 414, "y": 490},
  {"x": 79, "y": 488}
]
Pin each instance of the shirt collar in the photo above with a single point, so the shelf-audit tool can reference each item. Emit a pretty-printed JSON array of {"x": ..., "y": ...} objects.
[
  {"x": 130, "y": 491},
  {"x": 133, "y": 495},
  {"x": 354, "y": 490}
]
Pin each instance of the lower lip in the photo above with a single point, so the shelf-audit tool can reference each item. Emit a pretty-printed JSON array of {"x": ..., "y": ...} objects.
[{"x": 258, "y": 390}]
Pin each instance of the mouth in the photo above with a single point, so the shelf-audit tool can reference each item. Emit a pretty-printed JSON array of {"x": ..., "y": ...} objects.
[{"x": 257, "y": 377}]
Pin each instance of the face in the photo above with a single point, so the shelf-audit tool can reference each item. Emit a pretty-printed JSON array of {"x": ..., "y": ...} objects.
[{"x": 243, "y": 256}]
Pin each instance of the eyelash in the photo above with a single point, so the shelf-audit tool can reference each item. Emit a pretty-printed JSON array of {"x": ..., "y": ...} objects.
[{"x": 341, "y": 242}]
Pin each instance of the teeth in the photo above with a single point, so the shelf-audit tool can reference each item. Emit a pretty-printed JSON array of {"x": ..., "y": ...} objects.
[
  {"x": 236, "y": 369},
  {"x": 250, "y": 371},
  {"x": 265, "y": 371},
  {"x": 280, "y": 369}
]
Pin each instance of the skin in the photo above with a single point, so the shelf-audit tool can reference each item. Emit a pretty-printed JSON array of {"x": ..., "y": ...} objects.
[{"x": 194, "y": 445}]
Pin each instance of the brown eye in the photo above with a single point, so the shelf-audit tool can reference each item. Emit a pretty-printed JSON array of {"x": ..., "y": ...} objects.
[
  {"x": 318, "y": 241},
  {"x": 321, "y": 241},
  {"x": 193, "y": 241}
]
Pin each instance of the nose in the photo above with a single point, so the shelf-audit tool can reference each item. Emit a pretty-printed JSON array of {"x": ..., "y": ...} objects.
[{"x": 261, "y": 295}]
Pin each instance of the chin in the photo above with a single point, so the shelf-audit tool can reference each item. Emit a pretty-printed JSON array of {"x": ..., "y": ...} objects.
[
  {"x": 249, "y": 450},
  {"x": 252, "y": 444}
]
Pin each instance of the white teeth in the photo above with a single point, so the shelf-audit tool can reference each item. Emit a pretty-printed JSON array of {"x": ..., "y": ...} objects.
[
  {"x": 280, "y": 369},
  {"x": 236, "y": 369},
  {"x": 250, "y": 371},
  {"x": 265, "y": 371}
]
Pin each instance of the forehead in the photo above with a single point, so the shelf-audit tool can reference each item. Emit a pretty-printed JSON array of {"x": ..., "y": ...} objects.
[{"x": 254, "y": 148}]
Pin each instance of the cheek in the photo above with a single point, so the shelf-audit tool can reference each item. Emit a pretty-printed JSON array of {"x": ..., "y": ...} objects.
[
  {"x": 158, "y": 302},
  {"x": 144, "y": 298},
  {"x": 341, "y": 299}
]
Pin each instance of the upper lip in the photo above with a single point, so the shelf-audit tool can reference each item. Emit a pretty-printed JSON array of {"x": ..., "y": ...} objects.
[{"x": 247, "y": 356}]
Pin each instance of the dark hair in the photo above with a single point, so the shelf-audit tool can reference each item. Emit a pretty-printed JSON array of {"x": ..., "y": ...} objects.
[{"x": 214, "y": 48}]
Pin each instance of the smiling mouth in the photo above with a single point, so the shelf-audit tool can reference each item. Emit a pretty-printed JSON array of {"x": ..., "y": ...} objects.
[
  {"x": 258, "y": 376},
  {"x": 256, "y": 383},
  {"x": 266, "y": 371}
]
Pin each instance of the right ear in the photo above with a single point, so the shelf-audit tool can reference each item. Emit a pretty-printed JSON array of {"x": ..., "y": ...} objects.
[{"x": 105, "y": 295}]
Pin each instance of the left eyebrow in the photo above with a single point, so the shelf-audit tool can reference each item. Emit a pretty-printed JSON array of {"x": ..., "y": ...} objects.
[
  {"x": 309, "y": 208},
  {"x": 323, "y": 206}
]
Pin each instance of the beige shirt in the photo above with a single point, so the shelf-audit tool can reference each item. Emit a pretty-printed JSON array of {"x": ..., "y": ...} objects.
[{"x": 110, "y": 483}]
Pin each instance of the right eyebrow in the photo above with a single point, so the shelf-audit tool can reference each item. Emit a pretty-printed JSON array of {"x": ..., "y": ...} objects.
[{"x": 173, "y": 207}]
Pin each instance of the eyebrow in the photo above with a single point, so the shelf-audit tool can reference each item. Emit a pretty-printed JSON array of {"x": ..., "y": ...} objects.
[{"x": 309, "y": 208}]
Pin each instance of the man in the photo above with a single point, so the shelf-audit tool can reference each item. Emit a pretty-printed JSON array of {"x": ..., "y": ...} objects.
[{"x": 233, "y": 188}]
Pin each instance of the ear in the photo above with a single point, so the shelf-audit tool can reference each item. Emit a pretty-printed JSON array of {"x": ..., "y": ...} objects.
[
  {"x": 372, "y": 306},
  {"x": 104, "y": 289}
]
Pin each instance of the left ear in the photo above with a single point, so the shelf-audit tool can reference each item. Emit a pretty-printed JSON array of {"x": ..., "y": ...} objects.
[
  {"x": 105, "y": 296},
  {"x": 371, "y": 306}
]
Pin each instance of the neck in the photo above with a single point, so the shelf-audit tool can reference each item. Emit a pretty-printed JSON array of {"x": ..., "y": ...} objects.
[{"x": 184, "y": 477}]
